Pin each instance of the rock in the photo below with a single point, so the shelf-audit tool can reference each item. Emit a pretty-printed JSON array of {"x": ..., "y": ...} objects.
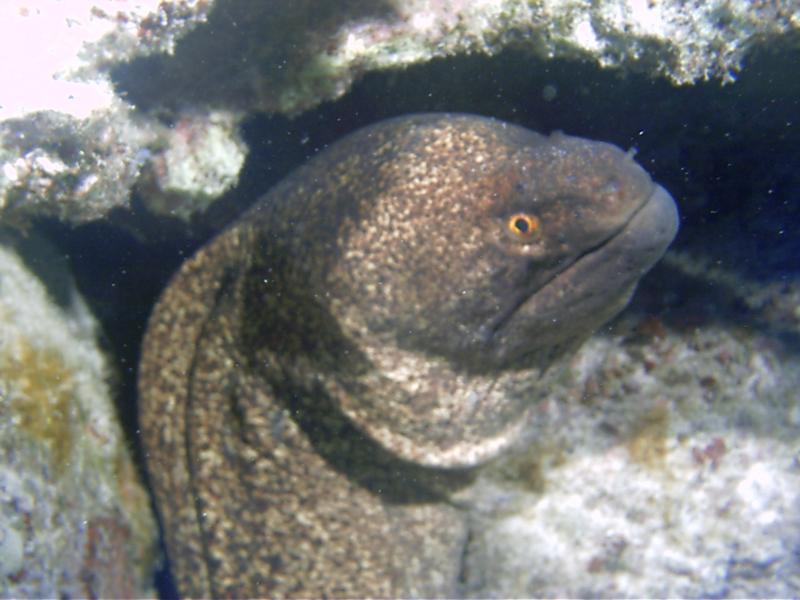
[
  {"x": 201, "y": 161},
  {"x": 70, "y": 146},
  {"x": 666, "y": 466},
  {"x": 73, "y": 169},
  {"x": 288, "y": 57},
  {"x": 73, "y": 140},
  {"x": 75, "y": 520}
]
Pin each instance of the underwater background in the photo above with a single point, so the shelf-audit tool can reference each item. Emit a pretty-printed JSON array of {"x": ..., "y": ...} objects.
[{"x": 666, "y": 461}]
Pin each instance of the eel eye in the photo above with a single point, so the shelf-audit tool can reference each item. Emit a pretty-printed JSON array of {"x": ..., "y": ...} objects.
[{"x": 523, "y": 225}]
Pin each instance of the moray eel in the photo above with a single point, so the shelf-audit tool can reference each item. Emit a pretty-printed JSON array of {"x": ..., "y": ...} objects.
[{"x": 319, "y": 380}]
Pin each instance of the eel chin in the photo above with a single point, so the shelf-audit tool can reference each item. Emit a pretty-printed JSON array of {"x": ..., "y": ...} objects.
[{"x": 592, "y": 289}]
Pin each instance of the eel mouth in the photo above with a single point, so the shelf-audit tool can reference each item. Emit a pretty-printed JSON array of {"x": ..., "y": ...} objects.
[{"x": 616, "y": 263}]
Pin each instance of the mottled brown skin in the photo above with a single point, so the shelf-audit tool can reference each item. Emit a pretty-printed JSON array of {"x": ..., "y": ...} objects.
[{"x": 319, "y": 379}]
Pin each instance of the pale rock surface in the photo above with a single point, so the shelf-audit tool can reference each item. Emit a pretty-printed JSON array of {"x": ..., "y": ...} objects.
[
  {"x": 75, "y": 520},
  {"x": 72, "y": 145},
  {"x": 667, "y": 464}
]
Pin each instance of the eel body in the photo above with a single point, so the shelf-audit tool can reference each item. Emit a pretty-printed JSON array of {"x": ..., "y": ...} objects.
[{"x": 320, "y": 379}]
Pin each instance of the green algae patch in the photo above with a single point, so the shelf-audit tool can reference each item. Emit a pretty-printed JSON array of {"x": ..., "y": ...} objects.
[{"x": 42, "y": 398}]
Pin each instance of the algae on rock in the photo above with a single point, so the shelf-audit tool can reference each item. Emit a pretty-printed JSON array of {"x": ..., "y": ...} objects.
[{"x": 74, "y": 518}]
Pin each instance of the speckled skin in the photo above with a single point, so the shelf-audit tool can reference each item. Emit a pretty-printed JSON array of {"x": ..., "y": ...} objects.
[{"x": 320, "y": 379}]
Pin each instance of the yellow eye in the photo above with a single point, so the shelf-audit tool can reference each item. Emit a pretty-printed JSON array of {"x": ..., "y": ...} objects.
[{"x": 523, "y": 225}]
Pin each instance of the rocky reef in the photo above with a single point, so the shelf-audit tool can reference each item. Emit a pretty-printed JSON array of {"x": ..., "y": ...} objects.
[
  {"x": 75, "y": 520},
  {"x": 74, "y": 140},
  {"x": 666, "y": 466},
  {"x": 665, "y": 462}
]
